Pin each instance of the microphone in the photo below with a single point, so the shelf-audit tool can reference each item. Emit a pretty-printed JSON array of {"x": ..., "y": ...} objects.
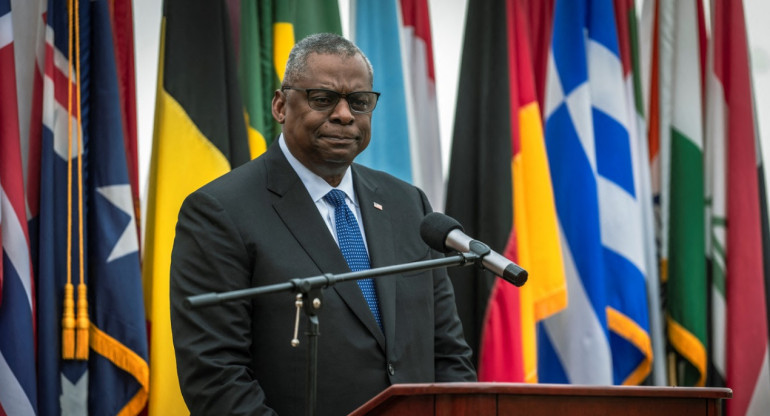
[{"x": 443, "y": 233}]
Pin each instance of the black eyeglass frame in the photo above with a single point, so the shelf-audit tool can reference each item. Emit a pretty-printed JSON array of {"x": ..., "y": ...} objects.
[{"x": 339, "y": 96}]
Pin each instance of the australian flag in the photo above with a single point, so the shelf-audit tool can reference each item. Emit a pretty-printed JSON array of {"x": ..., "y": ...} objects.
[{"x": 114, "y": 377}]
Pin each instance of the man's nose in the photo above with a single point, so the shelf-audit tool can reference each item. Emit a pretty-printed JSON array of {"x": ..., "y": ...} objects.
[{"x": 342, "y": 112}]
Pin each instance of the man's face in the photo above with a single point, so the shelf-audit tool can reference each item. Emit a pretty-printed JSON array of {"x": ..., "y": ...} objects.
[{"x": 326, "y": 142}]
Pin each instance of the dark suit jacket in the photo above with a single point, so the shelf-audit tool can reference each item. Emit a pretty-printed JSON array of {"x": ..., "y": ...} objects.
[{"x": 256, "y": 226}]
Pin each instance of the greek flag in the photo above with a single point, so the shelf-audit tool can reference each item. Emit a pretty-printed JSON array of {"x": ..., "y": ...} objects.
[{"x": 603, "y": 335}]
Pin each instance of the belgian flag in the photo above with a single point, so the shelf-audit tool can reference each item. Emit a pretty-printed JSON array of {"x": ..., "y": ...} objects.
[{"x": 200, "y": 134}]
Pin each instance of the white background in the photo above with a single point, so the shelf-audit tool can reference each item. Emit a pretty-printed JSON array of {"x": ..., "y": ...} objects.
[{"x": 447, "y": 24}]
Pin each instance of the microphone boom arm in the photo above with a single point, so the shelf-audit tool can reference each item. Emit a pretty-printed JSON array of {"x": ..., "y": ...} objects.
[{"x": 307, "y": 284}]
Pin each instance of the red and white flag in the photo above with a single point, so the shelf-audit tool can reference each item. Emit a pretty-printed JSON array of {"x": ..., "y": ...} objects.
[
  {"x": 18, "y": 394},
  {"x": 739, "y": 306}
]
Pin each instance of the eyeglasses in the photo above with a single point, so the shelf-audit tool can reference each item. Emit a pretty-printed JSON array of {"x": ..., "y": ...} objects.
[{"x": 318, "y": 99}]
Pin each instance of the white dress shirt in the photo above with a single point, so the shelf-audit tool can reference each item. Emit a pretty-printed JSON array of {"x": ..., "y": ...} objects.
[{"x": 317, "y": 187}]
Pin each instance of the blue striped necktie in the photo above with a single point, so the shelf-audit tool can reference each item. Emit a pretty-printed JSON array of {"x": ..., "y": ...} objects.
[{"x": 353, "y": 248}]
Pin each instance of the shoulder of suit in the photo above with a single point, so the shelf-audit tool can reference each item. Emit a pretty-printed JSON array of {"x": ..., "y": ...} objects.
[
  {"x": 244, "y": 175},
  {"x": 379, "y": 176}
]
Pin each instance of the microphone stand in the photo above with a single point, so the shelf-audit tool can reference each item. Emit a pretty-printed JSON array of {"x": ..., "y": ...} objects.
[{"x": 310, "y": 289}]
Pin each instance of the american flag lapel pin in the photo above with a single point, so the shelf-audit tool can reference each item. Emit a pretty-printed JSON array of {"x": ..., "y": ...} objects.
[{"x": 378, "y": 206}]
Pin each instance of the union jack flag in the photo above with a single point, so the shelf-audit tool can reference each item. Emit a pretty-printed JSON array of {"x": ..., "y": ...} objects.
[{"x": 18, "y": 395}]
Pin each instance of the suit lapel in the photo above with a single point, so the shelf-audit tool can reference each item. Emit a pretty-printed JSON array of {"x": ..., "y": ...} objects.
[
  {"x": 299, "y": 213},
  {"x": 379, "y": 239}
]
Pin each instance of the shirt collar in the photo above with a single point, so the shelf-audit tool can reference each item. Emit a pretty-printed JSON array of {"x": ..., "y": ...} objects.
[{"x": 316, "y": 186}]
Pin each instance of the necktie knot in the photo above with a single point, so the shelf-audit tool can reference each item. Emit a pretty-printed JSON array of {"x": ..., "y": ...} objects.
[{"x": 336, "y": 198}]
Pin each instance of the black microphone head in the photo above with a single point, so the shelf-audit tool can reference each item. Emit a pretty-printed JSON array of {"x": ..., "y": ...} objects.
[
  {"x": 514, "y": 274},
  {"x": 434, "y": 230}
]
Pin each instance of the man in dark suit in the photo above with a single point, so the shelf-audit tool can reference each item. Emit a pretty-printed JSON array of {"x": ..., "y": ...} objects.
[{"x": 270, "y": 220}]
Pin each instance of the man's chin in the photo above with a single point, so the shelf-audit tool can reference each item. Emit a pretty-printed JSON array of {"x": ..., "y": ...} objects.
[
  {"x": 338, "y": 162},
  {"x": 341, "y": 155}
]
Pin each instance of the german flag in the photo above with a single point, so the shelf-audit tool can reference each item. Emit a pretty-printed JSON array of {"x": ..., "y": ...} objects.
[
  {"x": 500, "y": 188},
  {"x": 200, "y": 134}
]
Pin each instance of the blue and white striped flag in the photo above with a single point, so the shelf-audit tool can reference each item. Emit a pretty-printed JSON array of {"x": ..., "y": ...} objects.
[{"x": 603, "y": 335}]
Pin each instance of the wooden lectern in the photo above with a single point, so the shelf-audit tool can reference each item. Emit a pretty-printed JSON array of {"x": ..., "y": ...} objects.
[{"x": 472, "y": 399}]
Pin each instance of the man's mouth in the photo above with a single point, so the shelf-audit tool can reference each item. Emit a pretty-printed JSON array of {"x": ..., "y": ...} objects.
[{"x": 338, "y": 139}]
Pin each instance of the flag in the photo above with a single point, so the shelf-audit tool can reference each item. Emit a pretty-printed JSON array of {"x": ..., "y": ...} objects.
[
  {"x": 255, "y": 72},
  {"x": 508, "y": 345},
  {"x": 104, "y": 243},
  {"x": 267, "y": 31},
  {"x": 27, "y": 28},
  {"x": 715, "y": 159},
  {"x": 114, "y": 376},
  {"x": 200, "y": 134},
  {"x": 682, "y": 191},
  {"x": 420, "y": 88},
  {"x": 62, "y": 384},
  {"x": 628, "y": 42},
  {"x": 652, "y": 90},
  {"x": 539, "y": 21},
  {"x": 739, "y": 218},
  {"x": 479, "y": 187},
  {"x": 123, "y": 38},
  {"x": 118, "y": 370},
  {"x": 18, "y": 396},
  {"x": 395, "y": 36},
  {"x": 603, "y": 335},
  {"x": 31, "y": 63}
]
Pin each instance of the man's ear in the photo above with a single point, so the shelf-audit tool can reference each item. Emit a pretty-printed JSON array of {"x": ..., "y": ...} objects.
[{"x": 279, "y": 106}]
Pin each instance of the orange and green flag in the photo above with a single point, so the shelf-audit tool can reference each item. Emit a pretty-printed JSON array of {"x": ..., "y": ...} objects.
[{"x": 683, "y": 192}]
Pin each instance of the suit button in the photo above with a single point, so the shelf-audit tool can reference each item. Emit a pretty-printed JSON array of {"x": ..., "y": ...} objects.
[{"x": 391, "y": 369}]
